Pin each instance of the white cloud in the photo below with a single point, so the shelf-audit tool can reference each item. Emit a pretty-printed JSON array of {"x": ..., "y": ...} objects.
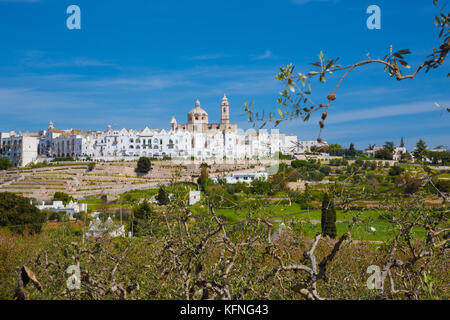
[
  {"x": 39, "y": 59},
  {"x": 212, "y": 56},
  {"x": 266, "y": 55}
]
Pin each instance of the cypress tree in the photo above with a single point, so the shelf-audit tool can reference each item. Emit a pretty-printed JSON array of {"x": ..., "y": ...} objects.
[
  {"x": 328, "y": 221},
  {"x": 163, "y": 197}
]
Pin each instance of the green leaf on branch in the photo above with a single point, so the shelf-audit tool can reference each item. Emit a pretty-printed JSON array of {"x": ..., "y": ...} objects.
[
  {"x": 405, "y": 64},
  {"x": 280, "y": 112}
]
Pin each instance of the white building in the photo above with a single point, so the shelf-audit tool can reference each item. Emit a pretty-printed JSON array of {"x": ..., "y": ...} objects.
[
  {"x": 69, "y": 209},
  {"x": 194, "y": 197},
  {"x": 396, "y": 155},
  {"x": 98, "y": 229},
  {"x": 20, "y": 148},
  {"x": 66, "y": 143},
  {"x": 196, "y": 138},
  {"x": 246, "y": 177},
  {"x": 290, "y": 145},
  {"x": 440, "y": 148},
  {"x": 305, "y": 146}
]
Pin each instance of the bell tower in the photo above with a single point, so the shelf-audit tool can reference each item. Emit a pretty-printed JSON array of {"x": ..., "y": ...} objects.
[
  {"x": 225, "y": 111},
  {"x": 173, "y": 123}
]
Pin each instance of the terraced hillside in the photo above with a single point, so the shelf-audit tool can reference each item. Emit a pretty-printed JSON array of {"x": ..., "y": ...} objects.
[
  {"x": 78, "y": 181},
  {"x": 110, "y": 178}
]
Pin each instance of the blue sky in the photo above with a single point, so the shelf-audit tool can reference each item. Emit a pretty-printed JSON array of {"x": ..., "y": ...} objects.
[{"x": 137, "y": 63}]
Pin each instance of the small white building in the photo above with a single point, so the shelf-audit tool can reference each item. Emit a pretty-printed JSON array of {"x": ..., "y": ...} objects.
[
  {"x": 305, "y": 146},
  {"x": 440, "y": 148},
  {"x": 396, "y": 155},
  {"x": 69, "y": 209},
  {"x": 246, "y": 177},
  {"x": 194, "y": 197},
  {"x": 98, "y": 229}
]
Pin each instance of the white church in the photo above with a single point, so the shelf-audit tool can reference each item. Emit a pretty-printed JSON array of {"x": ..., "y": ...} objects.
[{"x": 197, "y": 138}]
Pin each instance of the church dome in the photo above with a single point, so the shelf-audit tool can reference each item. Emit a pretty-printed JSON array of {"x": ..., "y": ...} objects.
[
  {"x": 197, "y": 115},
  {"x": 197, "y": 110}
]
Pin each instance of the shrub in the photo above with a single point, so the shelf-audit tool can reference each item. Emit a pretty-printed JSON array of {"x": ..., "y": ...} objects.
[
  {"x": 237, "y": 187},
  {"x": 408, "y": 178},
  {"x": 298, "y": 163},
  {"x": 61, "y": 196},
  {"x": 63, "y": 159},
  {"x": 142, "y": 215},
  {"x": 294, "y": 176},
  {"x": 325, "y": 170},
  {"x": 315, "y": 176},
  {"x": 443, "y": 185},
  {"x": 260, "y": 186},
  {"x": 4, "y": 163},
  {"x": 19, "y": 215},
  {"x": 144, "y": 165},
  {"x": 384, "y": 153},
  {"x": 91, "y": 166},
  {"x": 395, "y": 170}
]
